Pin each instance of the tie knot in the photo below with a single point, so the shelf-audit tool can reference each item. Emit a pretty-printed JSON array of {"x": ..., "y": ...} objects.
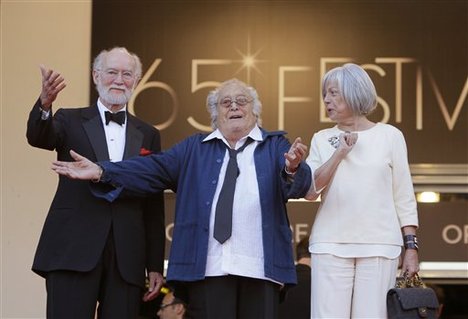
[
  {"x": 118, "y": 117},
  {"x": 233, "y": 152}
]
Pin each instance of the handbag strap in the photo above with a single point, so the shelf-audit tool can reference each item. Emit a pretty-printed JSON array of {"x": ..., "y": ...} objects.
[{"x": 406, "y": 282}]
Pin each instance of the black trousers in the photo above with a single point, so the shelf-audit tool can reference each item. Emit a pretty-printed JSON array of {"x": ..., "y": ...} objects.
[
  {"x": 230, "y": 297},
  {"x": 74, "y": 295}
]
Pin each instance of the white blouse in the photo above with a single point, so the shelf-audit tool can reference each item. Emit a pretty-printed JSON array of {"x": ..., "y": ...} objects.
[{"x": 370, "y": 197}]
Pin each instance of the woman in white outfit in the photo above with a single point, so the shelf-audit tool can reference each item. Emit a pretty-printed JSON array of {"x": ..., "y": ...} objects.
[{"x": 367, "y": 203}]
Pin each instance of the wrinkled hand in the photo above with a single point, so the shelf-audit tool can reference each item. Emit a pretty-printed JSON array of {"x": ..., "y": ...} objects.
[
  {"x": 82, "y": 168},
  {"x": 410, "y": 263},
  {"x": 52, "y": 84},
  {"x": 295, "y": 155},
  {"x": 347, "y": 142},
  {"x": 156, "y": 281}
]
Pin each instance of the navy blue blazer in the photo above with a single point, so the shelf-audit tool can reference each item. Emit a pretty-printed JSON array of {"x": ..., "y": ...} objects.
[{"x": 191, "y": 169}]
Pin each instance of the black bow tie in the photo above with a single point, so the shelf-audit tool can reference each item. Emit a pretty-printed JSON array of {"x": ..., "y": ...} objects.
[{"x": 118, "y": 117}]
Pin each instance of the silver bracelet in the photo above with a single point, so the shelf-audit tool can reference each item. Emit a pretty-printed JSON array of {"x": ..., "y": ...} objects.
[{"x": 411, "y": 242}]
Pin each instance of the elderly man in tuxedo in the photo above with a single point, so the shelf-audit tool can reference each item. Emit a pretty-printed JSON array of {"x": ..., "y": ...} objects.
[{"x": 92, "y": 251}]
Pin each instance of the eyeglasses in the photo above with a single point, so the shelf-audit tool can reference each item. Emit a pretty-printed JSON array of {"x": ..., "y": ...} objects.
[
  {"x": 240, "y": 100},
  {"x": 164, "y": 306},
  {"x": 113, "y": 74}
]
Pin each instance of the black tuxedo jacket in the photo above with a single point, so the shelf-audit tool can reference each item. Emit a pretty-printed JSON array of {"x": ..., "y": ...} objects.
[{"x": 77, "y": 225}]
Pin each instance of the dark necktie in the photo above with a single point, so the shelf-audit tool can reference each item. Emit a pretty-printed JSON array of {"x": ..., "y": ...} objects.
[
  {"x": 118, "y": 117},
  {"x": 223, "y": 217}
]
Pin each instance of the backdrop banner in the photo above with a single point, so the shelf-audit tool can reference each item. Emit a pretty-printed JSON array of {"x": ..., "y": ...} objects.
[{"x": 415, "y": 51}]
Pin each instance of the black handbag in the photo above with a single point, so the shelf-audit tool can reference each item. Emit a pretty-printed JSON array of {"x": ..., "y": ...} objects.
[{"x": 411, "y": 299}]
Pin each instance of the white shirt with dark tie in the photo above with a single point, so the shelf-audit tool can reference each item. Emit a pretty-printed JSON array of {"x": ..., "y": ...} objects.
[{"x": 242, "y": 253}]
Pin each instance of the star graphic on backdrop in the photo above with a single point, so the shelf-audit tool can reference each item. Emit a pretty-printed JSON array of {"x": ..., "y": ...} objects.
[{"x": 249, "y": 61}]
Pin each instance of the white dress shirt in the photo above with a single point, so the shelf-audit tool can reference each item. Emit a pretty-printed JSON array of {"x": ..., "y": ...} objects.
[
  {"x": 242, "y": 253},
  {"x": 115, "y": 134}
]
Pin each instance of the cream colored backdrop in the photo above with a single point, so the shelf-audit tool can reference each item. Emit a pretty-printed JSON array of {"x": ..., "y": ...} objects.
[{"x": 57, "y": 34}]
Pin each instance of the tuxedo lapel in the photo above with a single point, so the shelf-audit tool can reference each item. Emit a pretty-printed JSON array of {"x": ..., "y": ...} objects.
[
  {"x": 93, "y": 126},
  {"x": 133, "y": 139}
]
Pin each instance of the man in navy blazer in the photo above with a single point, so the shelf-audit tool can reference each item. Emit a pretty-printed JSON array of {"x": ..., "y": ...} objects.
[
  {"x": 237, "y": 277},
  {"x": 92, "y": 251}
]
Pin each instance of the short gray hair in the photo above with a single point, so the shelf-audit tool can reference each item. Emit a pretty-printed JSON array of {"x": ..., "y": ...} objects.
[
  {"x": 213, "y": 99},
  {"x": 97, "y": 64},
  {"x": 355, "y": 85}
]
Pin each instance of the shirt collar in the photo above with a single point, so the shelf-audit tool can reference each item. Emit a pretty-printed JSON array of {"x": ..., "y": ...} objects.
[{"x": 254, "y": 134}]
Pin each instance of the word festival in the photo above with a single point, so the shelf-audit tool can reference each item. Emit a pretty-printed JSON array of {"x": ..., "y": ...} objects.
[{"x": 420, "y": 75}]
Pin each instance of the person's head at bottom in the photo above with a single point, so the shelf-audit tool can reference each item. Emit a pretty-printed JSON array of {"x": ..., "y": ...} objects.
[{"x": 171, "y": 307}]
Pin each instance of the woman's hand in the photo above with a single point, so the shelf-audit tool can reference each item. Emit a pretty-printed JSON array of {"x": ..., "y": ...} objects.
[
  {"x": 347, "y": 142},
  {"x": 410, "y": 263}
]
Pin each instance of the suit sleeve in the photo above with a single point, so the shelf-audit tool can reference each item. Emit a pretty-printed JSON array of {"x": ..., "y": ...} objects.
[
  {"x": 45, "y": 134},
  {"x": 155, "y": 232}
]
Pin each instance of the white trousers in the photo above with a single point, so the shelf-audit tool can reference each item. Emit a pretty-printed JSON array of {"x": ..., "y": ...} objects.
[{"x": 351, "y": 287}]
